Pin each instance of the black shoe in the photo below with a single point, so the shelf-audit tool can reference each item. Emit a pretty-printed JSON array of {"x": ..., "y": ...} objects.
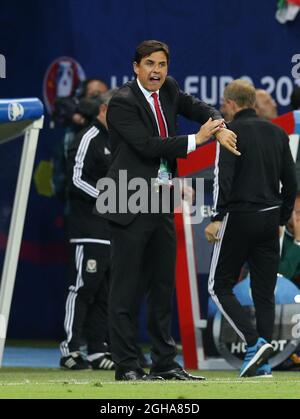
[
  {"x": 103, "y": 362},
  {"x": 177, "y": 373},
  {"x": 74, "y": 362},
  {"x": 135, "y": 375}
]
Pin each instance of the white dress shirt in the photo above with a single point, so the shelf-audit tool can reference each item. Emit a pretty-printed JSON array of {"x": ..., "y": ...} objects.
[{"x": 150, "y": 100}]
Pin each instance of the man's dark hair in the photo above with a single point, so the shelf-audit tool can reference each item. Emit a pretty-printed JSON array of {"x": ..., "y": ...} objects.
[
  {"x": 147, "y": 48},
  {"x": 295, "y": 99},
  {"x": 89, "y": 107}
]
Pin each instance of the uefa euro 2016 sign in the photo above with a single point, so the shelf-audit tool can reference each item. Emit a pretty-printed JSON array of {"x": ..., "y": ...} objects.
[
  {"x": 296, "y": 66},
  {"x": 2, "y": 67}
]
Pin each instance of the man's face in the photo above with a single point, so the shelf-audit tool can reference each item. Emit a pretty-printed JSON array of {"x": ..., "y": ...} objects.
[
  {"x": 152, "y": 71},
  {"x": 95, "y": 87}
]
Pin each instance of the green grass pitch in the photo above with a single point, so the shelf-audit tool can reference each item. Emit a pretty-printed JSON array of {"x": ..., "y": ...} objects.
[{"x": 26, "y": 383}]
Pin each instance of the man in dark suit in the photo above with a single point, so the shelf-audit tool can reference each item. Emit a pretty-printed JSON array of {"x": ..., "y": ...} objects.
[{"x": 142, "y": 126}]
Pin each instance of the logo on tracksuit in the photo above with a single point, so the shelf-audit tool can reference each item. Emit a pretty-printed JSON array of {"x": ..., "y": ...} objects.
[{"x": 91, "y": 266}]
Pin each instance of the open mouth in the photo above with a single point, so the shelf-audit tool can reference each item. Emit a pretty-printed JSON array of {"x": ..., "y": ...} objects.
[{"x": 154, "y": 79}]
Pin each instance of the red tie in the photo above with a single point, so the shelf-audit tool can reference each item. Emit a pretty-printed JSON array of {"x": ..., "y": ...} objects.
[{"x": 161, "y": 122}]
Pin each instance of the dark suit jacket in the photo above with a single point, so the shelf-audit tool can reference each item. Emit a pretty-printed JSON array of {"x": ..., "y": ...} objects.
[{"x": 135, "y": 142}]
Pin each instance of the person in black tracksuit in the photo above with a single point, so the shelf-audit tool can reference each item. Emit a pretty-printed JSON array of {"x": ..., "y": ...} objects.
[
  {"x": 249, "y": 207},
  {"x": 89, "y": 237}
]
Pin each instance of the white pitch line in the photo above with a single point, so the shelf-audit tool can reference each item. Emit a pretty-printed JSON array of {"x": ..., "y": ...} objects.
[{"x": 216, "y": 381}]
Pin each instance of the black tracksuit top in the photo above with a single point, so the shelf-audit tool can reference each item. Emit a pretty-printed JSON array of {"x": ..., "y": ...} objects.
[{"x": 251, "y": 182}]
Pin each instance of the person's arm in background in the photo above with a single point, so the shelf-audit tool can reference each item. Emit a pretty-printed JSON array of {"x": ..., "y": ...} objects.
[
  {"x": 289, "y": 265},
  {"x": 290, "y": 257},
  {"x": 289, "y": 183}
]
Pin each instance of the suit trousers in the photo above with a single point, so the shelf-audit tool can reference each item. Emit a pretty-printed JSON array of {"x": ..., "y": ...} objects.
[
  {"x": 143, "y": 263},
  {"x": 251, "y": 237}
]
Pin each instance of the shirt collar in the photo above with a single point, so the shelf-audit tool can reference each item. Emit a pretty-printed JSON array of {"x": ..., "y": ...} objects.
[{"x": 146, "y": 92}]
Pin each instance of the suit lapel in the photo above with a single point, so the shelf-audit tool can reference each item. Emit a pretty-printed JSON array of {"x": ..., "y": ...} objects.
[
  {"x": 141, "y": 98},
  {"x": 166, "y": 104}
]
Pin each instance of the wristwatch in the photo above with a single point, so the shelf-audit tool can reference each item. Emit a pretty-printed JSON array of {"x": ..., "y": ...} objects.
[{"x": 297, "y": 242}]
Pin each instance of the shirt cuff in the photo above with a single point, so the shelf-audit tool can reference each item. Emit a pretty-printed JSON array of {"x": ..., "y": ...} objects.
[{"x": 191, "y": 143}]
